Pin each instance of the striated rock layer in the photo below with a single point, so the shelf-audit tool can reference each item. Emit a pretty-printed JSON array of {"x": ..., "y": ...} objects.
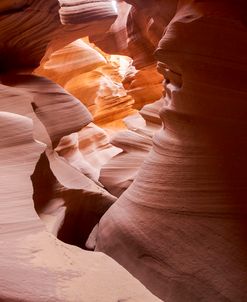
[
  {"x": 37, "y": 120},
  {"x": 109, "y": 85},
  {"x": 94, "y": 78},
  {"x": 29, "y": 28},
  {"x": 120, "y": 171},
  {"x": 35, "y": 266},
  {"x": 181, "y": 226}
]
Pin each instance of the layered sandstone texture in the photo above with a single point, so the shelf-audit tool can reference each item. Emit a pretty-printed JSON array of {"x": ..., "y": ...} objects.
[
  {"x": 35, "y": 266},
  {"x": 181, "y": 225},
  {"x": 94, "y": 78},
  {"x": 123, "y": 131},
  {"x": 109, "y": 85},
  {"x": 43, "y": 169}
]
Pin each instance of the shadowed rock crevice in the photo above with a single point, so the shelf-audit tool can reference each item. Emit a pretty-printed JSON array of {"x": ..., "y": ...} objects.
[{"x": 70, "y": 214}]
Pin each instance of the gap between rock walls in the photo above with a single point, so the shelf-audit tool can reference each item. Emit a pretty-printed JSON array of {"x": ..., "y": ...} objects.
[
  {"x": 119, "y": 97},
  {"x": 123, "y": 150}
]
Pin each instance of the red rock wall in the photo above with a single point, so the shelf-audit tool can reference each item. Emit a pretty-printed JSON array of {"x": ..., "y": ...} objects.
[
  {"x": 35, "y": 114},
  {"x": 181, "y": 226}
]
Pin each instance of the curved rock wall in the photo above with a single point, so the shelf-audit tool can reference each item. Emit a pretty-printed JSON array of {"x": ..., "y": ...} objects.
[
  {"x": 35, "y": 266},
  {"x": 29, "y": 28},
  {"x": 93, "y": 77},
  {"x": 181, "y": 226}
]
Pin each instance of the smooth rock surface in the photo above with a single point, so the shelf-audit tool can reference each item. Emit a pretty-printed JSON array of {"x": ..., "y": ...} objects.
[
  {"x": 35, "y": 266},
  {"x": 181, "y": 226}
]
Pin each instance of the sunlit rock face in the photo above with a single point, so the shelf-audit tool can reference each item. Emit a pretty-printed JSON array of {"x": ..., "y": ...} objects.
[
  {"x": 93, "y": 77},
  {"x": 74, "y": 59},
  {"x": 109, "y": 85},
  {"x": 97, "y": 78},
  {"x": 144, "y": 85},
  {"x": 181, "y": 226}
]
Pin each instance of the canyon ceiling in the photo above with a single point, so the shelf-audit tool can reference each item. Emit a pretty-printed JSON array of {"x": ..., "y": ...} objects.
[{"x": 123, "y": 150}]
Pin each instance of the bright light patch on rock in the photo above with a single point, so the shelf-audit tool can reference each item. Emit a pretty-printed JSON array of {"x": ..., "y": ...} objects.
[
  {"x": 114, "y": 4},
  {"x": 122, "y": 61}
]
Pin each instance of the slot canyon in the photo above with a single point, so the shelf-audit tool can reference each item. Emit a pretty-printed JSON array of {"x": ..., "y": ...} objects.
[{"x": 123, "y": 150}]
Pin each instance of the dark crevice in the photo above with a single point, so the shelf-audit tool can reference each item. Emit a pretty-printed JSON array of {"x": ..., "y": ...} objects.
[
  {"x": 16, "y": 9},
  {"x": 83, "y": 210}
]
